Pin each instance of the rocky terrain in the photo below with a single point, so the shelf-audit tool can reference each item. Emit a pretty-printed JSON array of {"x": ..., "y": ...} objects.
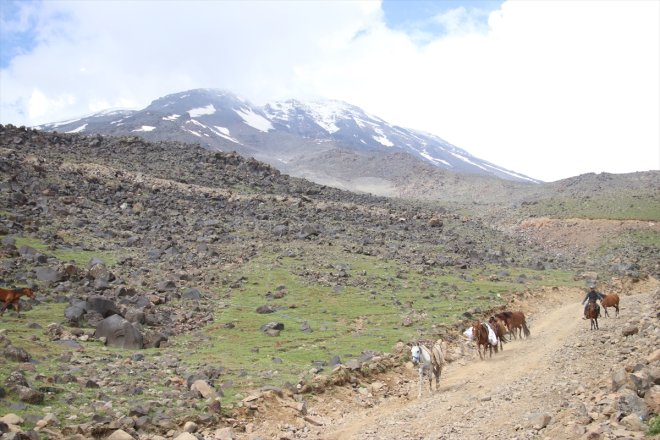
[{"x": 145, "y": 255}]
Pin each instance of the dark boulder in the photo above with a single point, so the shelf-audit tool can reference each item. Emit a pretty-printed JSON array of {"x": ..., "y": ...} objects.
[
  {"x": 119, "y": 333},
  {"x": 102, "y": 306},
  {"x": 74, "y": 314},
  {"x": 192, "y": 294}
]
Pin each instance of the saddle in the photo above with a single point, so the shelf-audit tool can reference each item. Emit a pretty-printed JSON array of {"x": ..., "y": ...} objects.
[{"x": 436, "y": 355}]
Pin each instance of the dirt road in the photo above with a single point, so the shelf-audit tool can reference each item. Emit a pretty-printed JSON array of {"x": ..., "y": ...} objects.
[{"x": 520, "y": 393}]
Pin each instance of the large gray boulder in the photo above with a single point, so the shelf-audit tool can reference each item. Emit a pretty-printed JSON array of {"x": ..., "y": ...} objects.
[{"x": 118, "y": 332}]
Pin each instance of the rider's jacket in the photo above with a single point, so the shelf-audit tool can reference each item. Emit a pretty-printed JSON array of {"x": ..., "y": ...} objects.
[{"x": 592, "y": 294}]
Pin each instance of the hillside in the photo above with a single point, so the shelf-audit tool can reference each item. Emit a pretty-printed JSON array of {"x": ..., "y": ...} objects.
[
  {"x": 328, "y": 142},
  {"x": 230, "y": 277}
]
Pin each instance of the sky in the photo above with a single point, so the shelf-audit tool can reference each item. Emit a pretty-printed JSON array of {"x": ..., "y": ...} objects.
[{"x": 550, "y": 89}]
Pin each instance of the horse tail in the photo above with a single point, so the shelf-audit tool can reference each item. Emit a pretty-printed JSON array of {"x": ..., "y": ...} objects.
[{"x": 525, "y": 329}]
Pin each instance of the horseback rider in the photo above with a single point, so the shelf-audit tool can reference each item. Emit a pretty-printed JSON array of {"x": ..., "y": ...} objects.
[{"x": 592, "y": 294}]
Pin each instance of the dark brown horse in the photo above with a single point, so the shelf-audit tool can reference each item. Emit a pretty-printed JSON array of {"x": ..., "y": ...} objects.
[
  {"x": 515, "y": 322},
  {"x": 480, "y": 336},
  {"x": 11, "y": 297},
  {"x": 593, "y": 312},
  {"x": 499, "y": 328},
  {"x": 610, "y": 300}
]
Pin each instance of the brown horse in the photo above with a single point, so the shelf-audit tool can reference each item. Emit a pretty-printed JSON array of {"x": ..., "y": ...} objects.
[
  {"x": 593, "y": 312},
  {"x": 515, "y": 322},
  {"x": 480, "y": 335},
  {"x": 11, "y": 297},
  {"x": 499, "y": 328},
  {"x": 610, "y": 300}
]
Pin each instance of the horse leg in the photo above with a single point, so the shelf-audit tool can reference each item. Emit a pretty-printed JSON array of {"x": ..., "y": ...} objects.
[
  {"x": 421, "y": 380},
  {"x": 616, "y": 306},
  {"x": 430, "y": 380}
]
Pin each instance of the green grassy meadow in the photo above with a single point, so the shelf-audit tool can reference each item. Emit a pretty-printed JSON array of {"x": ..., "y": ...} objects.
[{"x": 352, "y": 303}]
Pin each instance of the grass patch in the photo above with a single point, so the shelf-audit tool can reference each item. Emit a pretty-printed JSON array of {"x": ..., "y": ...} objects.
[
  {"x": 654, "y": 426},
  {"x": 351, "y": 304},
  {"x": 79, "y": 256}
]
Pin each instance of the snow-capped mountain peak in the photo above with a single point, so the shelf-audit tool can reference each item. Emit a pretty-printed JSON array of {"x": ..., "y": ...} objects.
[{"x": 281, "y": 132}]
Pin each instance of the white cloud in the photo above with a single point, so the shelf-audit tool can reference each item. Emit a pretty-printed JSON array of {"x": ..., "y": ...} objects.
[
  {"x": 39, "y": 104},
  {"x": 550, "y": 89}
]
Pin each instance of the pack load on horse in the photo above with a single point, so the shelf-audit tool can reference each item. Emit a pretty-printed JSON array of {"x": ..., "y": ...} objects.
[
  {"x": 492, "y": 337},
  {"x": 592, "y": 295},
  {"x": 483, "y": 335},
  {"x": 515, "y": 322},
  {"x": 11, "y": 297},
  {"x": 610, "y": 300},
  {"x": 430, "y": 361},
  {"x": 499, "y": 327}
]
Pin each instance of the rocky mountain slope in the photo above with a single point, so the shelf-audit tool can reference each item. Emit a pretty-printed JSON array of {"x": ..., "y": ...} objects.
[
  {"x": 221, "y": 277},
  {"x": 304, "y": 139}
]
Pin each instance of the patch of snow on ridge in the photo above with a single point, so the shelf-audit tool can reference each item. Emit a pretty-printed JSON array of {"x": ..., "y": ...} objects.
[
  {"x": 145, "y": 128},
  {"x": 382, "y": 139},
  {"x": 58, "y": 124},
  {"x": 280, "y": 110},
  {"x": 224, "y": 133},
  {"x": 193, "y": 132},
  {"x": 430, "y": 158},
  {"x": 172, "y": 117},
  {"x": 199, "y": 124},
  {"x": 223, "y": 130},
  {"x": 201, "y": 111},
  {"x": 111, "y": 112},
  {"x": 511, "y": 173},
  {"x": 326, "y": 113},
  {"x": 465, "y": 159},
  {"x": 254, "y": 120},
  {"x": 520, "y": 176},
  {"x": 79, "y": 129}
]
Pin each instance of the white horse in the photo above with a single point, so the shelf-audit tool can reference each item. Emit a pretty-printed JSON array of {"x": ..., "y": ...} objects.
[{"x": 429, "y": 360}]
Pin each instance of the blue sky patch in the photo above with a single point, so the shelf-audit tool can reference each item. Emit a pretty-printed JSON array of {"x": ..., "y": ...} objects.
[
  {"x": 18, "y": 29},
  {"x": 428, "y": 19}
]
